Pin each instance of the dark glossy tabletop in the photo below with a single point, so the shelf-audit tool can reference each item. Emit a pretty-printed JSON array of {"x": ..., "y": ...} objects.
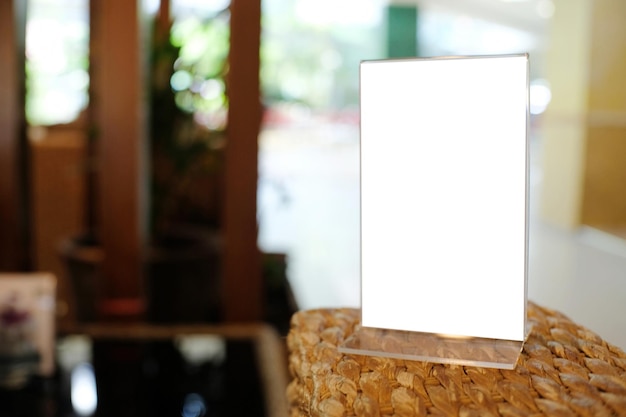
[{"x": 154, "y": 371}]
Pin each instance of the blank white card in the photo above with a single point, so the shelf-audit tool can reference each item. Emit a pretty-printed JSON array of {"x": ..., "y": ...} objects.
[{"x": 444, "y": 195}]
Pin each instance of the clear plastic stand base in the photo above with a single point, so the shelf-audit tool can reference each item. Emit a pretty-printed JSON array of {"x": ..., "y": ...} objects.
[{"x": 429, "y": 347}]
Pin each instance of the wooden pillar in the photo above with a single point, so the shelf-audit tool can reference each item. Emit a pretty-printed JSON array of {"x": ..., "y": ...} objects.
[
  {"x": 119, "y": 105},
  {"x": 585, "y": 125},
  {"x": 564, "y": 122},
  {"x": 604, "y": 188},
  {"x": 14, "y": 213},
  {"x": 242, "y": 285}
]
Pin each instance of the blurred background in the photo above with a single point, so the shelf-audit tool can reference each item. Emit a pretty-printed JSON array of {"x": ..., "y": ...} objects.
[{"x": 304, "y": 162}]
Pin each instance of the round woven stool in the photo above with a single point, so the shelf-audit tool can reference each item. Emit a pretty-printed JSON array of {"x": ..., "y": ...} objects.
[{"x": 564, "y": 370}]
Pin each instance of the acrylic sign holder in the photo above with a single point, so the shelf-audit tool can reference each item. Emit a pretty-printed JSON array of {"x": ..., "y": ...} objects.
[{"x": 444, "y": 198}]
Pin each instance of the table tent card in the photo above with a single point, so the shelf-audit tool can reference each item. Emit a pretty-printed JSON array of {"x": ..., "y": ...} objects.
[{"x": 444, "y": 209}]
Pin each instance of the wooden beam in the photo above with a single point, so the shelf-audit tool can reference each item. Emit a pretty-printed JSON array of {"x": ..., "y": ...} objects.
[
  {"x": 14, "y": 213},
  {"x": 119, "y": 104},
  {"x": 242, "y": 284}
]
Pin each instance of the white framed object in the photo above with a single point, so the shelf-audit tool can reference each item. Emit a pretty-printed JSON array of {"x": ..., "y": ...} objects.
[{"x": 444, "y": 195}]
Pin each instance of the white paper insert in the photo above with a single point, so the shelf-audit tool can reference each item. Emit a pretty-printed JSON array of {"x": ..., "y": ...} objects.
[{"x": 444, "y": 196}]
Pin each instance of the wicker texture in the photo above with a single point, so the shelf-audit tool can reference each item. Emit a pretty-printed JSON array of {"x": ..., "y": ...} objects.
[{"x": 564, "y": 370}]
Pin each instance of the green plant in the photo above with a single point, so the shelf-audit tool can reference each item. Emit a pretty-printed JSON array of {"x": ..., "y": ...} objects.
[{"x": 187, "y": 121}]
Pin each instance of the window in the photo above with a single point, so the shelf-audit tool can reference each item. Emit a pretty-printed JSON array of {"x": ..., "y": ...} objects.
[{"x": 57, "y": 77}]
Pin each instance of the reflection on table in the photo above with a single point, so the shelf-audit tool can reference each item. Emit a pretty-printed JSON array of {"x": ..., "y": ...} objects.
[{"x": 144, "y": 370}]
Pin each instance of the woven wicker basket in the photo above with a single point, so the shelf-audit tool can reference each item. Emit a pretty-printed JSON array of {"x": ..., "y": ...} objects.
[{"x": 564, "y": 370}]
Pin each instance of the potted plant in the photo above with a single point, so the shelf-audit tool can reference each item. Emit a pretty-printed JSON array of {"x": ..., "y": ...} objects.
[{"x": 186, "y": 155}]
